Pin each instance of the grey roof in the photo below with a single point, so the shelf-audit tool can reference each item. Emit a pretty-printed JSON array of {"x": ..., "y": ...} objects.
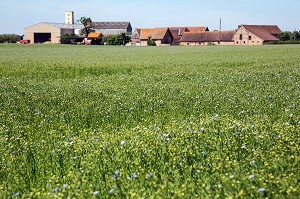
[
  {"x": 61, "y": 25},
  {"x": 111, "y": 25},
  {"x": 65, "y": 26}
]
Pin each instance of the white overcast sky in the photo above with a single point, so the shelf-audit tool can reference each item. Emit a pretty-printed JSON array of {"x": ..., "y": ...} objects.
[{"x": 15, "y": 15}]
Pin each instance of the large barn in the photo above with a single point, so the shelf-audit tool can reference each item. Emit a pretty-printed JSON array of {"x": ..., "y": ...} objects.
[
  {"x": 256, "y": 34},
  {"x": 46, "y": 32}
]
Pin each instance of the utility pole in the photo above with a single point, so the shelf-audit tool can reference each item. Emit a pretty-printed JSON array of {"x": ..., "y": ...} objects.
[{"x": 220, "y": 36}]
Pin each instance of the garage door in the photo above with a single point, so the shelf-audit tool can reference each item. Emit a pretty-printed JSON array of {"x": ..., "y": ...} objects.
[{"x": 42, "y": 37}]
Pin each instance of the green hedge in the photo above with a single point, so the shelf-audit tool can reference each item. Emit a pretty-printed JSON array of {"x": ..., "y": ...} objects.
[{"x": 284, "y": 42}]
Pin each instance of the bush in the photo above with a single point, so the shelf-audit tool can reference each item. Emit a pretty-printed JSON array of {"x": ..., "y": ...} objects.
[
  {"x": 151, "y": 42},
  {"x": 283, "y": 42},
  {"x": 68, "y": 38},
  {"x": 9, "y": 38},
  {"x": 116, "y": 40}
]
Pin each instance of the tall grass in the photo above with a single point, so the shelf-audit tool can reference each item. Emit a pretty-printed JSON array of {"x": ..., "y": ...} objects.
[{"x": 174, "y": 122}]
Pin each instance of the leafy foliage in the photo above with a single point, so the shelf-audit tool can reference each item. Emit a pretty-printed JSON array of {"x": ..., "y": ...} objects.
[
  {"x": 68, "y": 38},
  {"x": 151, "y": 42},
  {"x": 116, "y": 40},
  {"x": 290, "y": 36},
  {"x": 9, "y": 38},
  {"x": 87, "y": 23}
]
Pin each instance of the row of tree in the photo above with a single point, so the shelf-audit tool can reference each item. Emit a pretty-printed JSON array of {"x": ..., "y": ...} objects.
[
  {"x": 290, "y": 36},
  {"x": 9, "y": 38}
]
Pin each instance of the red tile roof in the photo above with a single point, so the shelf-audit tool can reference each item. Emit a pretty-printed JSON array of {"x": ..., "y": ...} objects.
[
  {"x": 181, "y": 30},
  {"x": 197, "y": 28},
  {"x": 176, "y": 34},
  {"x": 208, "y": 36},
  {"x": 153, "y": 33},
  {"x": 265, "y": 32}
]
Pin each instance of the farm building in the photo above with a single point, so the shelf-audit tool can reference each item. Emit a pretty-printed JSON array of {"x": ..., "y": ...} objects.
[
  {"x": 49, "y": 32},
  {"x": 46, "y": 32},
  {"x": 177, "y": 32},
  {"x": 93, "y": 38},
  {"x": 52, "y": 32},
  {"x": 256, "y": 34},
  {"x": 207, "y": 37},
  {"x": 161, "y": 36},
  {"x": 112, "y": 28}
]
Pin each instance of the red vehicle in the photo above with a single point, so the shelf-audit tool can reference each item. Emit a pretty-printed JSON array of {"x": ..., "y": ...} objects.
[{"x": 25, "y": 41}]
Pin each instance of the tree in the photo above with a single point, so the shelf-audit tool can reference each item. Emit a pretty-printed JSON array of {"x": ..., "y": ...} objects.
[
  {"x": 125, "y": 38},
  {"x": 9, "y": 38},
  {"x": 285, "y": 36},
  {"x": 87, "y": 23},
  {"x": 68, "y": 38},
  {"x": 296, "y": 35}
]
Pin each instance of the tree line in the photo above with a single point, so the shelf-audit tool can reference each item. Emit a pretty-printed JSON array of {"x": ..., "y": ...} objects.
[
  {"x": 9, "y": 38},
  {"x": 290, "y": 37}
]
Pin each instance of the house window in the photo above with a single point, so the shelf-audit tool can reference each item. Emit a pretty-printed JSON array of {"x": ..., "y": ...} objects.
[
  {"x": 244, "y": 42},
  {"x": 241, "y": 37},
  {"x": 188, "y": 44},
  {"x": 237, "y": 42},
  {"x": 250, "y": 37}
]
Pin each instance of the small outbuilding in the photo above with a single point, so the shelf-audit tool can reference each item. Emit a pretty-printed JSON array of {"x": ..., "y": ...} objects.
[{"x": 94, "y": 38}]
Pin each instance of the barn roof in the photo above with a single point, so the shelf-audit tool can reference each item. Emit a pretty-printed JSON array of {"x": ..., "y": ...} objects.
[
  {"x": 176, "y": 33},
  {"x": 208, "y": 36},
  {"x": 153, "y": 33},
  {"x": 197, "y": 28},
  {"x": 60, "y": 25},
  {"x": 111, "y": 25},
  {"x": 180, "y": 30},
  {"x": 265, "y": 32}
]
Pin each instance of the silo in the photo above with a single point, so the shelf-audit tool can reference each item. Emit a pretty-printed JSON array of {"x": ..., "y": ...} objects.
[
  {"x": 78, "y": 32},
  {"x": 69, "y": 17}
]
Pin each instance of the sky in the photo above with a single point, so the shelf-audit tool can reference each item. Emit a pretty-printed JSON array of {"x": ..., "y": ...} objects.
[{"x": 17, "y": 14}]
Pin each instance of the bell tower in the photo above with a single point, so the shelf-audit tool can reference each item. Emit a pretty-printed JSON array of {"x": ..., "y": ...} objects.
[{"x": 69, "y": 17}]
